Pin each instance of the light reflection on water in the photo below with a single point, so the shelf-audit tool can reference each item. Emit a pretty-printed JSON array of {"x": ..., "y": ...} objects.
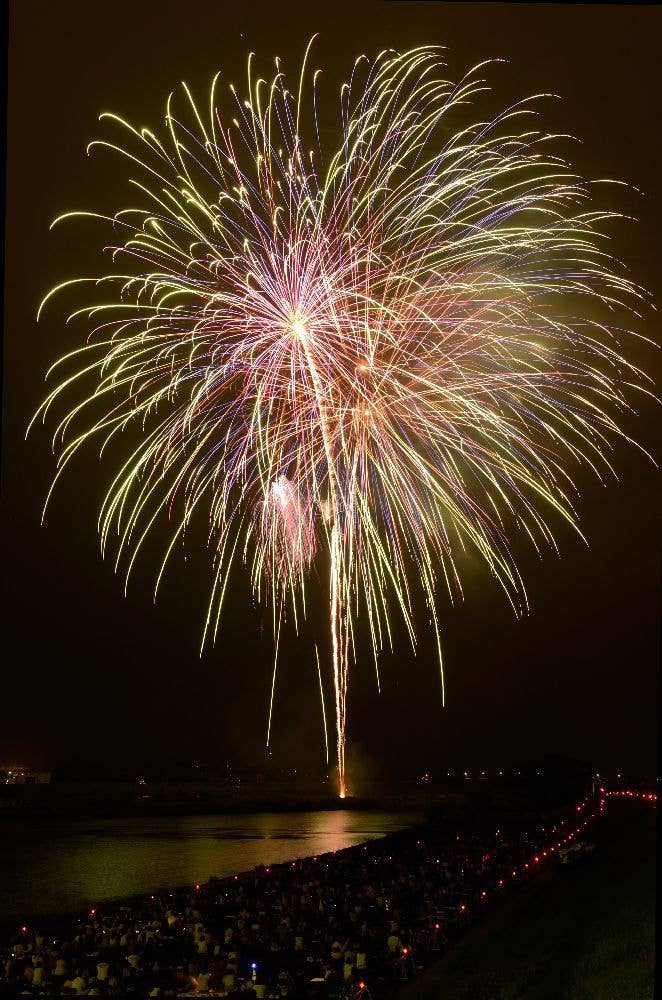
[{"x": 71, "y": 865}]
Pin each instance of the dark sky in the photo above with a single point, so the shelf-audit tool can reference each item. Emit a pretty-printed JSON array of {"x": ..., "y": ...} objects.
[{"x": 91, "y": 674}]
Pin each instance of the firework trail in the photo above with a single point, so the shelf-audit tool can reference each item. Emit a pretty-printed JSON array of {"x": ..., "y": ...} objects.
[{"x": 352, "y": 361}]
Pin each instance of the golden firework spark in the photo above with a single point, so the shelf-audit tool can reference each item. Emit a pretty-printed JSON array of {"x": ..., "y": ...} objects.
[{"x": 369, "y": 357}]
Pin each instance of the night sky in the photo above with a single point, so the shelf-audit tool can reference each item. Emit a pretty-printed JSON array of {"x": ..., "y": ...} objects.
[{"x": 92, "y": 675}]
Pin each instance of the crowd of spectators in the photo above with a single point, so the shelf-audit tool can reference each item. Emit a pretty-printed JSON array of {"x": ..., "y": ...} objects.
[{"x": 351, "y": 924}]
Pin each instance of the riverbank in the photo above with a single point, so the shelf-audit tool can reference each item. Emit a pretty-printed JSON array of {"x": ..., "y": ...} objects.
[
  {"x": 116, "y": 800},
  {"x": 143, "y": 798},
  {"x": 69, "y": 864},
  {"x": 374, "y": 912},
  {"x": 582, "y": 932}
]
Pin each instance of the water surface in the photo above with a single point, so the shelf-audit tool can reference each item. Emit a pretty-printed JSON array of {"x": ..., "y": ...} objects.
[{"x": 73, "y": 864}]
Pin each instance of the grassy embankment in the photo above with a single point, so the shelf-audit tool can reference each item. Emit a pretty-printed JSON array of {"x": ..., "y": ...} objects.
[{"x": 585, "y": 932}]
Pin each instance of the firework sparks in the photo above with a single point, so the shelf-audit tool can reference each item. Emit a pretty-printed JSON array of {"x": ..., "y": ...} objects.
[{"x": 366, "y": 357}]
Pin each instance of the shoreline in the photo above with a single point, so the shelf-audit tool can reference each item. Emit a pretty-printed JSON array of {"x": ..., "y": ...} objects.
[
  {"x": 155, "y": 809},
  {"x": 479, "y": 869},
  {"x": 50, "y": 921},
  {"x": 436, "y": 815},
  {"x": 431, "y": 824}
]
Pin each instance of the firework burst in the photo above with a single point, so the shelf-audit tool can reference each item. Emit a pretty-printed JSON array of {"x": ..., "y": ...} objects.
[{"x": 364, "y": 358}]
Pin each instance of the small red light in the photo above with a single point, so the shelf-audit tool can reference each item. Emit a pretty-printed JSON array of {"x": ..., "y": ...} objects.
[
  {"x": 197, "y": 887},
  {"x": 24, "y": 929}
]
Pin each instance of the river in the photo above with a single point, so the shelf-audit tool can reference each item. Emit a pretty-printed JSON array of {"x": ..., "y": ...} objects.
[{"x": 64, "y": 866}]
